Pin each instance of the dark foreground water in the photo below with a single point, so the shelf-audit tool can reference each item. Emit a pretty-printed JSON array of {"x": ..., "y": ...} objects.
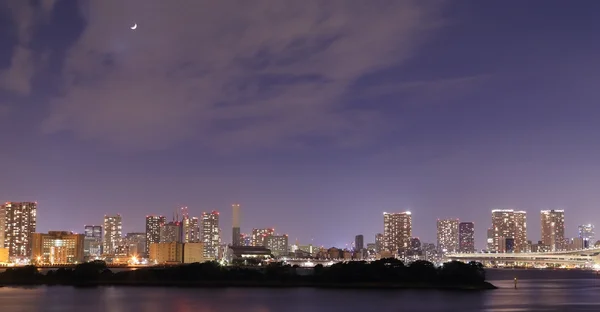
[{"x": 537, "y": 291}]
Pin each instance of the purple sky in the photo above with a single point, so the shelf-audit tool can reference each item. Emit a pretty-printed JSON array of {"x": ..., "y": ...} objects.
[{"x": 316, "y": 116}]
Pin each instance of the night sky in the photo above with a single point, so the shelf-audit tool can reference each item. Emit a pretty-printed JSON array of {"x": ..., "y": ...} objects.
[{"x": 316, "y": 116}]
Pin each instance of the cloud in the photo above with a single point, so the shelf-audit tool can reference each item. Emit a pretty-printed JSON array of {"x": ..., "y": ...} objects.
[
  {"x": 231, "y": 74},
  {"x": 26, "y": 17}
]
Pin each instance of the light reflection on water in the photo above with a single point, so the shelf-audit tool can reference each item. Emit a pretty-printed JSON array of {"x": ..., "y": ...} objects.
[{"x": 549, "y": 294}]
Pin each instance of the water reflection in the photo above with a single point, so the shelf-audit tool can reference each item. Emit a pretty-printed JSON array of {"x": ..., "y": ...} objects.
[{"x": 532, "y": 295}]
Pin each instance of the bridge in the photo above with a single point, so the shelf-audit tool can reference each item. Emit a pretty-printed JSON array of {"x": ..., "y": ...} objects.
[{"x": 583, "y": 257}]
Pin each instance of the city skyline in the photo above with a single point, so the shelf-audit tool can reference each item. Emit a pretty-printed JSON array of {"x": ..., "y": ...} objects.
[{"x": 315, "y": 114}]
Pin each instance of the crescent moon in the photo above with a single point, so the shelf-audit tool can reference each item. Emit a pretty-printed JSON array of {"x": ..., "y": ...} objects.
[{"x": 134, "y": 26}]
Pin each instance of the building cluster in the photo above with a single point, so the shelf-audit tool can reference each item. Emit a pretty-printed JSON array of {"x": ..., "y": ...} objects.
[{"x": 187, "y": 239}]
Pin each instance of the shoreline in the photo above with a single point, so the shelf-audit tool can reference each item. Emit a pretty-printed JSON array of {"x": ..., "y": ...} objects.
[{"x": 229, "y": 284}]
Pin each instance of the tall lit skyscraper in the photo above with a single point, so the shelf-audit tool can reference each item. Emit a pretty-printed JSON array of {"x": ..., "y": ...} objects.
[
  {"x": 466, "y": 237},
  {"x": 113, "y": 228},
  {"x": 153, "y": 224},
  {"x": 520, "y": 231},
  {"x": 397, "y": 231},
  {"x": 259, "y": 236},
  {"x": 191, "y": 230},
  {"x": 510, "y": 226},
  {"x": 2, "y": 225},
  {"x": 236, "y": 234},
  {"x": 586, "y": 233},
  {"x": 447, "y": 235},
  {"x": 19, "y": 226},
  {"x": 211, "y": 234},
  {"x": 553, "y": 229}
]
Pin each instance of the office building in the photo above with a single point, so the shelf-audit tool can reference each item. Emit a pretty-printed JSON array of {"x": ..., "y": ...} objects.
[
  {"x": 586, "y": 233},
  {"x": 447, "y": 235},
  {"x": 113, "y": 228},
  {"x": 236, "y": 235},
  {"x": 136, "y": 244},
  {"x": 19, "y": 226},
  {"x": 2, "y": 225},
  {"x": 378, "y": 243},
  {"x": 259, "y": 235},
  {"x": 397, "y": 231},
  {"x": 92, "y": 242},
  {"x": 553, "y": 229},
  {"x": 57, "y": 247},
  {"x": 166, "y": 253},
  {"x": 153, "y": 225},
  {"x": 211, "y": 235},
  {"x": 359, "y": 242},
  {"x": 466, "y": 237},
  {"x": 490, "y": 240},
  {"x": 512, "y": 225},
  {"x": 171, "y": 232},
  {"x": 278, "y": 244}
]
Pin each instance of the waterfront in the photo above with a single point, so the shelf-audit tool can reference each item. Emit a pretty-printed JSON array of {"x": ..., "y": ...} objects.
[{"x": 537, "y": 291}]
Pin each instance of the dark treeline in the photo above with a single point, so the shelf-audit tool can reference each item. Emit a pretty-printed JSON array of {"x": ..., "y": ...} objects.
[{"x": 390, "y": 273}]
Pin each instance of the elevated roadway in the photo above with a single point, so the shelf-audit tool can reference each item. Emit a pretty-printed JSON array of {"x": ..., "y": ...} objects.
[{"x": 590, "y": 256}]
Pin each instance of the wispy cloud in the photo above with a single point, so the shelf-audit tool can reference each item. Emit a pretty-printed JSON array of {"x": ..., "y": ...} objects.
[
  {"x": 231, "y": 73},
  {"x": 17, "y": 78}
]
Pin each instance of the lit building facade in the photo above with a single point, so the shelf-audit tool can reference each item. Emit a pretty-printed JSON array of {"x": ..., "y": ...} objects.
[
  {"x": 153, "y": 225},
  {"x": 92, "y": 241},
  {"x": 586, "y": 233},
  {"x": 166, "y": 253},
  {"x": 19, "y": 226},
  {"x": 236, "y": 235},
  {"x": 191, "y": 230},
  {"x": 211, "y": 235},
  {"x": 259, "y": 236},
  {"x": 511, "y": 225},
  {"x": 447, "y": 235},
  {"x": 553, "y": 229},
  {"x": 171, "y": 232},
  {"x": 113, "y": 232},
  {"x": 57, "y": 248},
  {"x": 397, "y": 231},
  {"x": 193, "y": 252},
  {"x": 278, "y": 244},
  {"x": 378, "y": 243},
  {"x": 466, "y": 237}
]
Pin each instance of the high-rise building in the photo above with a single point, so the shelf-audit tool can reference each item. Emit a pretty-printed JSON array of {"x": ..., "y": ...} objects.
[
  {"x": 2, "y": 225},
  {"x": 211, "y": 235},
  {"x": 378, "y": 242},
  {"x": 259, "y": 235},
  {"x": 19, "y": 226},
  {"x": 359, "y": 242},
  {"x": 466, "y": 237},
  {"x": 586, "y": 233},
  {"x": 92, "y": 241},
  {"x": 447, "y": 235},
  {"x": 520, "y": 238},
  {"x": 171, "y": 232},
  {"x": 57, "y": 247},
  {"x": 236, "y": 235},
  {"x": 278, "y": 244},
  {"x": 512, "y": 225},
  {"x": 153, "y": 225},
  {"x": 191, "y": 230},
  {"x": 113, "y": 232},
  {"x": 553, "y": 229},
  {"x": 397, "y": 231}
]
